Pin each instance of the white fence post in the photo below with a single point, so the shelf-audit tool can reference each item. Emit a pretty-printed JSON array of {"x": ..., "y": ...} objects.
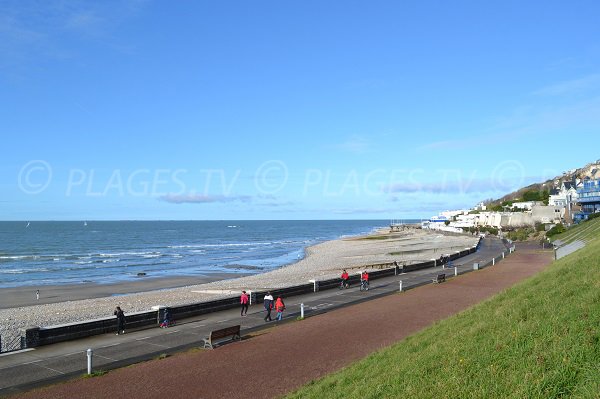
[
  {"x": 301, "y": 310},
  {"x": 89, "y": 361},
  {"x": 455, "y": 271},
  {"x": 400, "y": 285}
]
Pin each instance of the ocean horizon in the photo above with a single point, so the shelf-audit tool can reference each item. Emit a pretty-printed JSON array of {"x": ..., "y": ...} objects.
[{"x": 39, "y": 253}]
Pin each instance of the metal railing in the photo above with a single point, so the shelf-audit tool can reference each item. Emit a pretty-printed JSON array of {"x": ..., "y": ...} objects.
[
  {"x": 568, "y": 249},
  {"x": 11, "y": 343}
]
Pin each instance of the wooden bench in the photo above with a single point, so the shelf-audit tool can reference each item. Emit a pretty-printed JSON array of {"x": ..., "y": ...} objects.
[
  {"x": 440, "y": 278},
  {"x": 222, "y": 335}
]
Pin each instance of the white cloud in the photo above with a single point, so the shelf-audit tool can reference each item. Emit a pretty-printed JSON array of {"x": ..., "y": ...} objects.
[
  {"x": 261, "y": 201},
  {"x": 355, "y": 144},
  {"x": 491, "y": 186},
  {"x": 33, "y": 31},
  {"x": 538, "y": 120},
  {"x": 203, "y": 199},
  {"x": 84, "y": 21},
  {"x": 586, "y": 83},
  {"x": 458, "y": 144}
]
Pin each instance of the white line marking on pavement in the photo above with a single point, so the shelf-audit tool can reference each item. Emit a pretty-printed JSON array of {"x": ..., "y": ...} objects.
[
  {"x": 49, "y": 368},
  {"x": 321, "y": 306},
  {"x": 105, "y": 357},
  {"x": 74, "y": 353},
  {"x": 162, "y": 346},
  {"x": 33, "y": 361}
]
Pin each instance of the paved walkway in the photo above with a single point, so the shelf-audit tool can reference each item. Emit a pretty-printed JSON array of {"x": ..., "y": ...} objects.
[{"x": 301, "y": 351}]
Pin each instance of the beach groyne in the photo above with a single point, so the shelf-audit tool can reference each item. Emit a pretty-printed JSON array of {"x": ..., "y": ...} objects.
[{"x": 36, "y": 336}]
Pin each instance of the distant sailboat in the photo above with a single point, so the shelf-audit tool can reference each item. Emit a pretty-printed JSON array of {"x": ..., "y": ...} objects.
[
  {"x": 85, "y": 223},
  {"x": 28, "y": 223}
]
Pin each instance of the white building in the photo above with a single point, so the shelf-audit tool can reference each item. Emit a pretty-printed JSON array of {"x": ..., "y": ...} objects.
[
  {"x": 439, "y": 226},
  {"x": 567, "y": 194},
  {"x": 465, "y": 221},
  {"x": 452, "y": 214},
  {"x": 480, "y": 207},
  {"x": 538, "y": 214},
  {"x": 525, "y": 205}
]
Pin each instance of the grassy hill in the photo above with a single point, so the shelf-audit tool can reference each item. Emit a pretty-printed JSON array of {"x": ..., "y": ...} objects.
[
  {"x": 539, "y": 339},
  {"x": 586, "y": 231}
]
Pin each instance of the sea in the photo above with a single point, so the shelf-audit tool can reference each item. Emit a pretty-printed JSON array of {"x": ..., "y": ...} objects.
[{"x": 55, "y": 253}]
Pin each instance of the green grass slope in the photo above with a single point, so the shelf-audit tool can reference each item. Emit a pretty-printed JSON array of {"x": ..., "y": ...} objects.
[
  {"x": 539, "y": 339},
  {"x": 586, "y": 231}
]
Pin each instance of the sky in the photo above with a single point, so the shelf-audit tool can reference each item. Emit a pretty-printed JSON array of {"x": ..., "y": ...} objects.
[{"x": 201, "y": 110}]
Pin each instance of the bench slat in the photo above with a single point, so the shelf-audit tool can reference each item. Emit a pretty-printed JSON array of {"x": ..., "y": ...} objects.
[{"x": 233, "y": 332}]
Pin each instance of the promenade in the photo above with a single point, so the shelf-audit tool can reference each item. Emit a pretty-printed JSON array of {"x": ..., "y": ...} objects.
[{"x": 297, "y": 351}]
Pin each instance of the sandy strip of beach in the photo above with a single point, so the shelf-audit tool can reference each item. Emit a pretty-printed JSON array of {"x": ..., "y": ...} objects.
[
  {"x": 26, "y": 296},
  {"x": 322, "y": 261}
]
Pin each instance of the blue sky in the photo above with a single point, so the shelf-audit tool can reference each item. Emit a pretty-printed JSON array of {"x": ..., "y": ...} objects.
[{"x": 289, "y": 110}]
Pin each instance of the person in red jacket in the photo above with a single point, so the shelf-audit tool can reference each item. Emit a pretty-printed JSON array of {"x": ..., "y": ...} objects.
[
  {"x": 279, "y": 307},
  {"x": 364, "y": 280},
  {"x": 345, "y": 278},
  {"x": 244, "y": 301}
]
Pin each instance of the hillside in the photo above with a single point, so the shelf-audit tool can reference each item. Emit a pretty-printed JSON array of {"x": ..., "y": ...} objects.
[
  {"x": 591, "y": 170},
  {"x": 539, "y": 339}
]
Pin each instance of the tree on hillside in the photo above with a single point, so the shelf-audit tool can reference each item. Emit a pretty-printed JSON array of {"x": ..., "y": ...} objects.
[
  {"x": 532, "y": 195},
  {"x": 545, "y": 197}
]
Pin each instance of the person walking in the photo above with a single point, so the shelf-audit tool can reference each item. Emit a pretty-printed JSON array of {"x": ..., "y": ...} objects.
[
  {"x": 37, "y": 295},
  {"x": 279, "y": 307},
  {"x": 120, "y": 320},
  {"x": 268, "y": 304},
  {"x": 244, "y": 301}
]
